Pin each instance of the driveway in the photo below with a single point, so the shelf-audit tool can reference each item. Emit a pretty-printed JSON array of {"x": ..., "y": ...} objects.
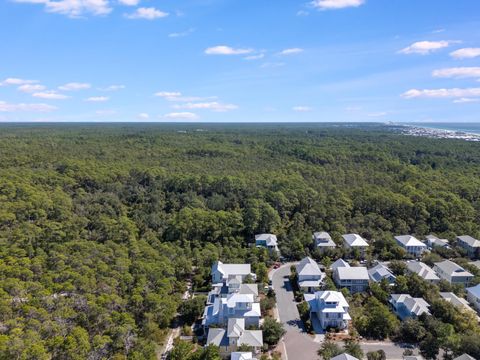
[{"x": 296, "y": 344}]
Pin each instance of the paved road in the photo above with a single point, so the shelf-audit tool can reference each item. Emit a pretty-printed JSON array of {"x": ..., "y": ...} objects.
[{"x": 298, "y": 345}]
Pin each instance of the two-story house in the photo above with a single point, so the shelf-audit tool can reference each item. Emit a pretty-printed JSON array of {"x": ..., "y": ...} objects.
[
  {"x": 433, "y": 241},
  {"x": 223, "y": 272},
  {"x": 323, "y": 241},
  {"x": 330, "y": 307},
  {"x": 310, "y": 277},
  {"x": 230, "y": 339},
  {"x": 268, "y": 241},
  {"x": 406, "y": 306},
  {"x": 470, "y": 245},
  {"x": 233, "y": 306},
  {"x": 381, "y": 272},
  {"x": 473, "y": 295},
  {"x": 355, "y": 279},
  {"x": 411, "y": 245},
  {"x": 452, "y": 272},
  {"x": 423, "y": 270},
  {"x": 355, "y": 242}
]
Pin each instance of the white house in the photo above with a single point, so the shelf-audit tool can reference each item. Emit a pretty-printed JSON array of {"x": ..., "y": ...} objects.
[
  {"x": 380, "y": 272},
  {"x": 433, "y": 241},
  {"x": 452, "y": 272},
  {"x": 355, "y": 279},
  {"x": 473, "y": 295},
  {"x": 235, "y": 335},
  {"x": 423, "y": 270},
  {"x": 268, "y": 241},
  {"x": 456, "y": 301},
  {"x": 344, "y": 356},
  {"x": 406, "y": 306},
  {"x": 323, "y": 241},
  {"x": 355, "y": 241},
  {"x": 223, "y": 272},
  {"x": 339, "y": 263},
  {"x": 242, "y": 356},
  {"x": 233, "y": 306},
  {"x": 310, "y": 277},
  {"x": 330, "y": 307},
  {"x": 411, "y": 244},
  {"x": 470, "y": 244}
]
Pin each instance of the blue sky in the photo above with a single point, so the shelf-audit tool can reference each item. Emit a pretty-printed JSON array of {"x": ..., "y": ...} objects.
[{"x": 240, "y": 60}]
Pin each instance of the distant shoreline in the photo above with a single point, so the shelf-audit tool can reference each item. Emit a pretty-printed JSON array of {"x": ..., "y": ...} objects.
[{"x": 423, "y": 130}]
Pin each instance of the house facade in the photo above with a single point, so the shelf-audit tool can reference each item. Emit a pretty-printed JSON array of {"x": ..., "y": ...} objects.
[
  {"x": 470, "y": 245},
  {"x": 406, "y": 306},
  {"x": 473, "y": 296},
  {"x": 355, "y": 279},
  {"x": 268, "y": 241},
  {"x": 330, "y": 307},
  {"x": 411, "y": 245},
  {"x": 355, "y": 242},
  {"x": 310, "y": 277},
  {"x": 423, "y": 270},
  {"x": 452, "y": 272},
  {"x": 323, "y": 241}
]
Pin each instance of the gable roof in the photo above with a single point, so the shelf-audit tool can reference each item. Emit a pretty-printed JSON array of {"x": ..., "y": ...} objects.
[
  {"x": 380, "y": 272},
  {"x": 454, "y": 300},
  {"x": 474, "y": 290},
  {"x": 422, "y": 270},
  {"x": 409, "y": 240},
  {"x": 469, "y": 240},
  {"x": 344, "y": 356},
  {"x": 436, "y": 241},
  {"x": 231, "y": 269},
  {"x": 464, "y": 357},
  {"x": 241, "y": 356},
  {"x": 308, "y": 266},
  {"x": 354, "y": 240},
  {"x": 449, "y": 267},
  {"x": 217, "y": 337},
  {"x": 270, "y": 239},
  {"x": 352, "y": 273},
  {"x": 248, "y": 289},
  {"x": 235, "y": 327},
  {"x": 339, "y": 263},
  {"x": 417, "y": 306}
]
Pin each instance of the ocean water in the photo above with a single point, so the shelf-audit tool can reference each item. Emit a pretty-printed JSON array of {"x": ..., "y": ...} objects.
[{"x": 472, "y": 128}]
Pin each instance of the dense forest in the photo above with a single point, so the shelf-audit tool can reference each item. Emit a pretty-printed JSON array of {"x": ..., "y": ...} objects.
[{"x": 102, "y": 225}]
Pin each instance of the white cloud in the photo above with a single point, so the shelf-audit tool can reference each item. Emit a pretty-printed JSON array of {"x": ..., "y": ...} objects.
[
  {"x": 97, "y": 99},
  {"x": 272, "y": 65},
  {"x": 181, "y": 34},
  {"x": 442, "y": 93},
  {"x": 50, "y": 95},
  {"x": 16, "y": 81},
  {"x": 255, "y": 57},
  {"x": 143, "y": 116},
  {"x": 425, "y": 47},
  {"x": 7, "y": 107},
  {"x": 302, "y": 108},
  {"x": 302, "y": 13},
  {"x": 465, "y": 53},
  {"x": 226, "y": 50},
  {"x": 336, "y": 4},
  {"x": 129, "y": 2},
  {"x": 465, "y": 100},
  {"x": 76, "y": 8},
  {"x": 29, "y": 88},
  {"x": 113, "y": 88},
  {"x": 147, "y": 13},
  {"x": 181, "y": 116},
  {"x": 74, "y": 86},
  {"x": 291, "y": 51},
  {"x": 214, "y": 106},
  {"x": 168, "y": 94},
  {"x": 458, "y": 72}
]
